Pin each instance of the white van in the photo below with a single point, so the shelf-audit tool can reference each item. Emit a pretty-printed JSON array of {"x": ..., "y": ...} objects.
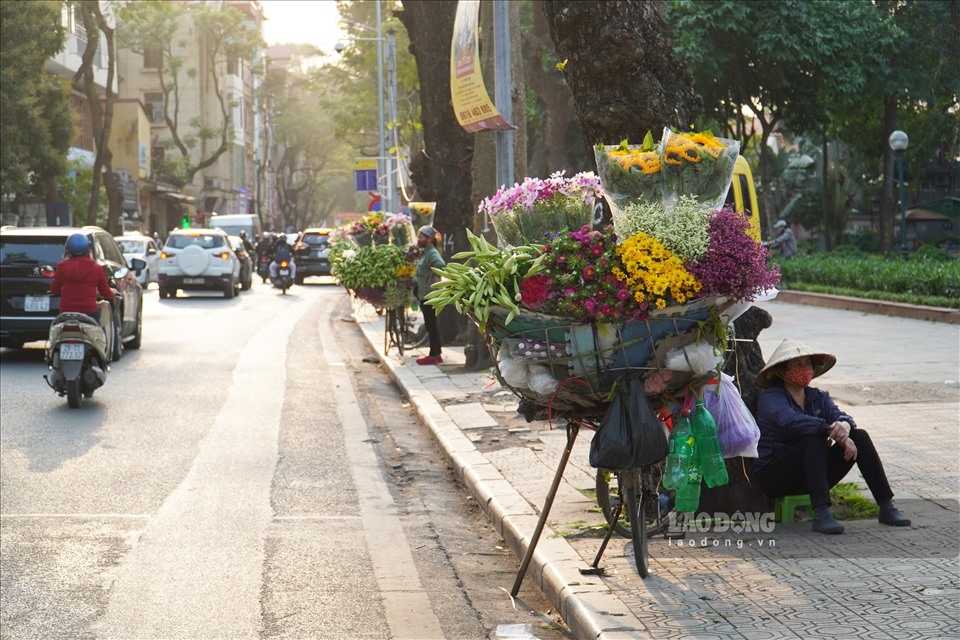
[{"x": 234, "y": 224}]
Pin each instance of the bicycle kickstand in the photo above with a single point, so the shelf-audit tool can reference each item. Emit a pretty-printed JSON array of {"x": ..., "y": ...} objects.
[{"x": 595, "y": 569}]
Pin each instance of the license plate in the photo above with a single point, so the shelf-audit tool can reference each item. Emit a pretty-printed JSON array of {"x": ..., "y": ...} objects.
[
  {"x": 193, "y": 281},
  {"x": 36, "y": 303},
  {"x": 284, "y": 272},
  {"x": 71, "y": 351}
]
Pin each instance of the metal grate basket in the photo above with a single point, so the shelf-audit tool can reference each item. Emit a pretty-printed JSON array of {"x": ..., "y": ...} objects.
[{"x": 567, "y": 369}]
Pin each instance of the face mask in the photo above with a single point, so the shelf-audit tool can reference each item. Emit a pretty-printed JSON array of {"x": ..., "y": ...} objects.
[{"x": 800, "y": 376}]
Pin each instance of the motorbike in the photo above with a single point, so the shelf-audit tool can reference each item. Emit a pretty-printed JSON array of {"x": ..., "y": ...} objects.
[
  {"x": 263, "y": 267},
  {"x": 78, "y": 354},
  {"x": 284, "y": 280}
]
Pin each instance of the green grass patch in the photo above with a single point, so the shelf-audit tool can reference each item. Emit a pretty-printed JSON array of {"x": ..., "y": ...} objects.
[{"x": 850, "y": 504}]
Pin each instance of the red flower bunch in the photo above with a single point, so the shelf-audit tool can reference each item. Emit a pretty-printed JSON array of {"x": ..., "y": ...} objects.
[
  {"x": 533, "y": 291},
  {"x": 576, "y": 279}
]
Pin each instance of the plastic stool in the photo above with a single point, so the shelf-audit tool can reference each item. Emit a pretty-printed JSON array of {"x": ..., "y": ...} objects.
[{"x": 784, "y": 507}]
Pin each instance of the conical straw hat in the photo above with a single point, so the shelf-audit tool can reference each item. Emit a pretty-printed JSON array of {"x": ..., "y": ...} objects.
[{"x": 788, "y": 350}]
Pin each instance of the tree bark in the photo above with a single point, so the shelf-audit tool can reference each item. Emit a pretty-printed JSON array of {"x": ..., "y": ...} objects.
[
  {"x": 552, "y": 150},
  {"x": 441, "y": 170},
  {"x": 621, "y": 69}
]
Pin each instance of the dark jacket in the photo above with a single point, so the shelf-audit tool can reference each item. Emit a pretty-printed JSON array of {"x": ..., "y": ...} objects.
[
  {"x": 782, "y": 423},
  {"x": 425, "y": 276}
]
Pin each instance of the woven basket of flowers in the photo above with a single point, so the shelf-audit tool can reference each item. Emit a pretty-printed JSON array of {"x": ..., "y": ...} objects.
[{"x": 568, "y": 309}]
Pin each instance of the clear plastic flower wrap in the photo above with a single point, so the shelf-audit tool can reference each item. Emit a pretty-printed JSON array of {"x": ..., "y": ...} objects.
[
  {"x": 630, "y": 174},
  {"x": 421, "y": 213},
  {"x": 535, "y": 210},
  {"x": 696, "y": 164}
]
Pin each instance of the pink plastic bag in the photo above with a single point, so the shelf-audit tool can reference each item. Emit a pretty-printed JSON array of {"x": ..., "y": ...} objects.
[{"x": 737, "y": 429}]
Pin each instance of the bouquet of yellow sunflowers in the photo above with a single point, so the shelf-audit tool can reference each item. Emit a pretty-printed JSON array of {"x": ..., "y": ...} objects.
[
  {"x": 630, "y": 173},
  {"x": 698, "y": 165}
]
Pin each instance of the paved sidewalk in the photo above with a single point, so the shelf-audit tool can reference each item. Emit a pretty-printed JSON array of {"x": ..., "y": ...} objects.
[{"x": 785, "y": 582}]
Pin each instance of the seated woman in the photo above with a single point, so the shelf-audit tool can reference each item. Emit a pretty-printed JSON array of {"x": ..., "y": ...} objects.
[{"x": 807, "y": 445}]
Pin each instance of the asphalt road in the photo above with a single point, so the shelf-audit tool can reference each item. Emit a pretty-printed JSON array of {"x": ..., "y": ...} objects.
[{"x": 243, "y": 475}]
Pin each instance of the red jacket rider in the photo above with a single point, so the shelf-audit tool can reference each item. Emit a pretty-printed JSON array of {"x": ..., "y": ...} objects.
[{"x": 78, "y": 279}]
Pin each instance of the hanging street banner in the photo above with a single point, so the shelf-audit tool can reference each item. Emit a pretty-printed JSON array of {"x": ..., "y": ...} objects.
[{"x": 471, "y": 103}]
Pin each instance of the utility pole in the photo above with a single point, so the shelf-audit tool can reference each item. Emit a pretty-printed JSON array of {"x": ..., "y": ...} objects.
[{"x": 503, "y": 97}]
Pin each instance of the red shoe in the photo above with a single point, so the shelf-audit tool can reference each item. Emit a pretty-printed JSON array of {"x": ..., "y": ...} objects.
[{"x": 430, "y": 360}]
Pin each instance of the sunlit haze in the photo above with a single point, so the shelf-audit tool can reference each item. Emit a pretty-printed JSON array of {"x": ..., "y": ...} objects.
[{"x": 307, "y": 21}]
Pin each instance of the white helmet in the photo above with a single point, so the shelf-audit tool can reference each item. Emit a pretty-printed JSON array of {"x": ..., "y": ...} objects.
[{"x": 780, "y": 223}]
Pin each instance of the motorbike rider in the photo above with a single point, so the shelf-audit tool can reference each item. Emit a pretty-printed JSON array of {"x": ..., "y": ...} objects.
[
  {"x": 246, "y": 243},
  {"x": 78, "y": 279},
  {"x": 265, "y": 246},
  {"x": 283, "y": 252}
]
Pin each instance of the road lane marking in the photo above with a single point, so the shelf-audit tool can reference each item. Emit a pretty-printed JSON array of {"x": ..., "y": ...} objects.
[{"x": 196, "y": 570}]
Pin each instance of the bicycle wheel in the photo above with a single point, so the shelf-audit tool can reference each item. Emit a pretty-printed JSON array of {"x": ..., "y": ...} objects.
[
  {"x": 658, "y": 502},
  {"x": 395, "y": 330},
  {"x": 635, "y": 506},
  {"x": 609, "y": 496}
]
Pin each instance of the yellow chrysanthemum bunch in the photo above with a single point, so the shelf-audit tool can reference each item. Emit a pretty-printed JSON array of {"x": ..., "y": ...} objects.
[
  {"x": 406, "y": 270},
  {"x": 653, "y": 273}
]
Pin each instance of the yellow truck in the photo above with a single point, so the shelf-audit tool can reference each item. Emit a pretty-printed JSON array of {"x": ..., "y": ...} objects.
[{"x": 743, "y": 196}]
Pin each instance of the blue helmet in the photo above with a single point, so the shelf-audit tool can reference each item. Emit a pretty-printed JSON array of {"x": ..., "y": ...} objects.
[{"x": 77, "y": 245}]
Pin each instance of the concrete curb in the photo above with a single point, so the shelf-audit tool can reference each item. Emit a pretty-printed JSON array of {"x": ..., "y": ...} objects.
[
  {"x": 589, "y": 608},
  {"x": 895, "y": 309}
]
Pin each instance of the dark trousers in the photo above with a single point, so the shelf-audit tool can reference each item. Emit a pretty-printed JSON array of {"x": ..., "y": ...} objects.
[
  {"x": 430, "y": 322},
  {"x": 812, "y": 466}
]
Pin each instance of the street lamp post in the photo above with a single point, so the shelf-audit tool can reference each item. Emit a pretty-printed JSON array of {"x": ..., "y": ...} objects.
[
  {"x": 898, "y": 142},
  {"x": 387, "y": 204}
]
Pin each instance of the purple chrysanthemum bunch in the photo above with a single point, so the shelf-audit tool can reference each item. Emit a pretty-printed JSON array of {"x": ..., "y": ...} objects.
[{"x": 734, "y": 264}]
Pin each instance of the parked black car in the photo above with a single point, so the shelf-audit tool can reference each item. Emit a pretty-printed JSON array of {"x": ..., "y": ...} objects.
[
  {"x": 28, "y": 257},
  {"x": 312, "y": 254}
]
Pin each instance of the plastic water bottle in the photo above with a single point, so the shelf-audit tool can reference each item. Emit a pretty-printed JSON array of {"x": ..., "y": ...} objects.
[
  {"x": 680, "y": 460},
  {"x": 708, "y": 457},
  {"x": 688, "y": 493}
]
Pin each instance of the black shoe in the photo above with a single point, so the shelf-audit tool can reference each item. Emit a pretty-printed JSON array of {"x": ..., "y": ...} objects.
[
  {"x": 893, "y": 517},
  {"x": 827, "y": 524}
]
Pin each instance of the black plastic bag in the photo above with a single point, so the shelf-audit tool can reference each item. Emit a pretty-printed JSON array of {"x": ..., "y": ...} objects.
[{"x": 630, "y": 435}]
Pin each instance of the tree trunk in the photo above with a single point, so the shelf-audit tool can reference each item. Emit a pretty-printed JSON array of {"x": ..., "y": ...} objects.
[
  {"x": 621, "y": 68},
  {"x": 101, "y": 115},
  {"x": 441, "y": 171},
  {"x": 552, "y": 149},
  {"x": 626, "y": 80}
]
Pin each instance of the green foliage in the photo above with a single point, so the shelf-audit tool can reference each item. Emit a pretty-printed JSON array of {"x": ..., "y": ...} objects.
[
  {"x": 373, "y": 266},
  {"x": 914, "y": 281},
  {"x": 75, "y": 187},
  {"x": 215, "y": 37},
  {"x": 932, "y": 253},
  {"x": 36, "y": 123},
  {"x": 861, "y": 239}
]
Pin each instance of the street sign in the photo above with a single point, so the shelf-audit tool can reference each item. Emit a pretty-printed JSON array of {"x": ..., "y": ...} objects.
[{"x": 365, "y": 174}]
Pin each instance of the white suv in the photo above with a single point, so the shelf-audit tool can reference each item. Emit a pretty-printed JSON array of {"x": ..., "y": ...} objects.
[{"x": 198, "y": 259}]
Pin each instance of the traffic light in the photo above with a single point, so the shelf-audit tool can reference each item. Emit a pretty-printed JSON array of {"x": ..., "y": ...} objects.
[{"x": 185, "y": 222}]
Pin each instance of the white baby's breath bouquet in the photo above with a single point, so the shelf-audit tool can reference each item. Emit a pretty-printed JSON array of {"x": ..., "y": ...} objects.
[{"x": 685, "y": 230}]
